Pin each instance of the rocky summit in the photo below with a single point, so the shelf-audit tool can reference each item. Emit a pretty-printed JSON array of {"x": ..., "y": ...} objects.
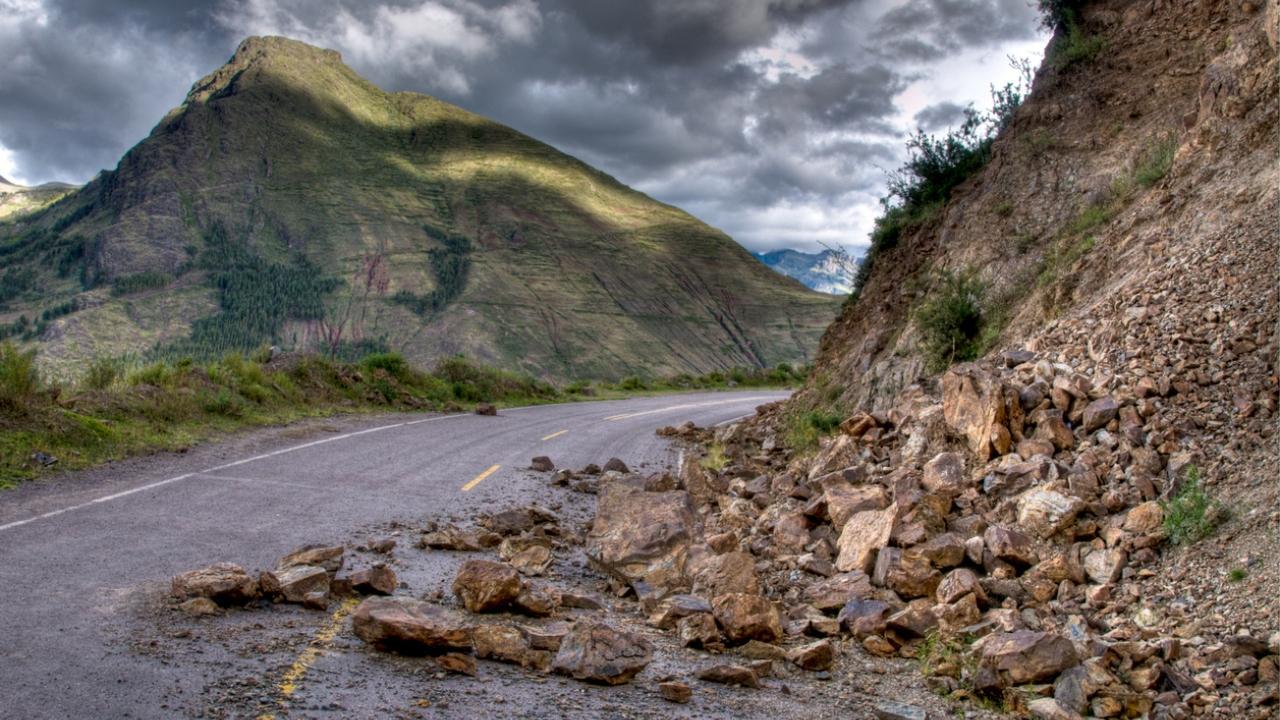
[{"x": 290, "y": 201}]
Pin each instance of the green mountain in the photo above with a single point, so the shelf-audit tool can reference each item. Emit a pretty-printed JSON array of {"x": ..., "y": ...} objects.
[{"x": 289, "y": 200}]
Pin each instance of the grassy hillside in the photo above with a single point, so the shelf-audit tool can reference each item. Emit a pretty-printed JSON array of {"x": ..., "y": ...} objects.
[{"x": 388, "y": 219}]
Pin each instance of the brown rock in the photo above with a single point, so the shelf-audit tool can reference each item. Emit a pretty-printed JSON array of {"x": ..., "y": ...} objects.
[
  {"x": 1144, "y": 518},
  {"x": 377, "y": 580},
  {"x": 862, "y": 536},
  {"x": 486, "y": 409},
  {"x": 731, "y": 572},
  {"x": 844, "y": 500},
  {"x": 1010, "y": 545},
  {"x": 485, "y": 586},
  {"x": 542, "y": 463},
  {"x": 407, "y": 625},
  {"x": 958, "y": 583},
  {"x": 912, "y": 575},
  {"x": 328, "y": 557},
  {"x": 598, "y": 653},
  {"x": 731, "y": 675},
  {"x": 382, "y": 546},
  {"x": 500, "y": 643},
  {"x": 836, "y": 591},
  {"x": 973, "y": 402},
  {"x": 457, "y": 663},
  {"x": 820, "y": 655},
  {"x": 1046, "y": 512},
  {"x": 944, "y": 474},
  {"x": 676, "y": 692},
  {"x": 1105, "y": 566},
  {"x": 616, "y": 465},
  {"x": 864, "y": 617},
  {"x": 858, "y": 424},
  {"x": 1052, "y": 428},
  {"x": 1100, "y": 412},
  {"x": 1030, "y": 447},
  {"x": 533, "y": 560},
  {"x": 877, "y": 645},
  {"x": 699, "y": 631},
  {"x": 956, "y": 616},
  {"x": 537, "y": 601},
  {"x": 747, "y": 617},
  {"x": 1021, "y": 657},
  {"x": 914, "y": 620},
  {"x": 223, "y": 583},
  {"x": 944, "y": 551},
  {"x": 547, "y": 636},
  {"x": 200, "y": 607},
  {"x": 641, "y": 536},
  {"x": 791, "y": 533},
  {"x": 450, "y": 537}
]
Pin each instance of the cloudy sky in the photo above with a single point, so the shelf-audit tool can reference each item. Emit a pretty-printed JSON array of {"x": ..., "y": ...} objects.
[{"x": 771, "y": 119}]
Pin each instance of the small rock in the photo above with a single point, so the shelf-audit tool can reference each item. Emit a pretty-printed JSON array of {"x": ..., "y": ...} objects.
[
  {"x": 820, "y": 655},
  {"x": 486, "y": 409},
  {"x": 329, "y": 557},
  {"x": 377, "y": 580},
  {"x": 200, "y": 607},
  {"x": 616, "y": 465},
  {"x": 731, "y": 675},
  {"x": 223, "y": 583},
  {"x": 676, "y": 692},
  {"x": 542, "y": 463},
  {"x": 747, "y": 617}
]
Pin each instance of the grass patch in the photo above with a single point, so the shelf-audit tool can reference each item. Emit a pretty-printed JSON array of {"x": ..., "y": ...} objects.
[
  {"x": 1237, "y": 575},
  {"x": 802, "y": 430},
  {"x": 716, "y": 459},
  {"x": 1158, "y": 161},
  {"x": 1192, "y": 514}
]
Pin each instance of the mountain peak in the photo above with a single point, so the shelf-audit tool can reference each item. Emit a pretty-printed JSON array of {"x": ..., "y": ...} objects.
[
  {"x": 257, "y": 47},
  {"x": 269, "y": 53}
]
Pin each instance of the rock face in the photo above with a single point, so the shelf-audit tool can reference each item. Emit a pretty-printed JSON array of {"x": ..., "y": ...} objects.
[
  {"x": 409, "y": 626},
  {"x": 485, "y": 586},
  {"x": 597, "y": 653},
  {"x": 223, "y": 583},
  {"x": 642, "y": 537}
]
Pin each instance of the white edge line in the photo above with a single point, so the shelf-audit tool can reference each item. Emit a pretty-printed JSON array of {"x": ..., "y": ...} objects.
[
  {"x": 264, "y": 456},
  {"x": 184, "y": 476}
]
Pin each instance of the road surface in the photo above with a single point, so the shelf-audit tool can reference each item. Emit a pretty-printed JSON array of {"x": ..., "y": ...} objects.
[{"x": 83, "y": 553}]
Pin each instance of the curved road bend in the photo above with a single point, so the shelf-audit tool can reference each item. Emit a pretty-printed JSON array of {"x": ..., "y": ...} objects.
[{"x": 74, "y": 548}]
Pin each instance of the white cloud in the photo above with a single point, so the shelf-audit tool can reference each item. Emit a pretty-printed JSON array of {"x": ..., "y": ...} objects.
[{"x": 435, "y": 39}]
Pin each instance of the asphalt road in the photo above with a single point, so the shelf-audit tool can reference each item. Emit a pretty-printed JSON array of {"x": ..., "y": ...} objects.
[{"x": 77, "y": 550}]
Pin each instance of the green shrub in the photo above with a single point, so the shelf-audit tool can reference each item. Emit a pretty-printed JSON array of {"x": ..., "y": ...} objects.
[
  {"x": 1076, "y": 46},
  {"x": 393, "y": 363},
  {"x": 19, "y": 379},
  {"x": 951, "y": 320},
  {"x": 824, "y": 422},
  {"x": 1192, "y": 514},
  {"x": 103, "y": 373},
  {"x": 632, "y": 383},
  {"x": 157, "y": 374},
  {"x": 224, "y": 403},
  {"x": 716, "y": 459},
  {"x": 1157, "y": 163},
  {"x": 140, "y": 282}
]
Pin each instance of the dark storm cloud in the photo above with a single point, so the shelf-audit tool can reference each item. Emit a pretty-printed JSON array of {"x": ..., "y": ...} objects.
[
  {"x": 940, "y": 116},
  {"x": 771, "y": 118}
]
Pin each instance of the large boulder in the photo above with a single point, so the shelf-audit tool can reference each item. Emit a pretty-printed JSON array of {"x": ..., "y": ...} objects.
[
  {"x": 944, "y": 474},
  {"x": 223, "y": 583},
  {"x": 485, "y": 586},
  {"x": 642, "y": 537},
  {"x": 410, "y": 626},
  {"x": 977, "y": 406},
  {"x": 747, "y": 617},
  {"x": 598, "y": 653},
  {"x": 1022, "y": 657},
  {"x": 862, "y": 536}
]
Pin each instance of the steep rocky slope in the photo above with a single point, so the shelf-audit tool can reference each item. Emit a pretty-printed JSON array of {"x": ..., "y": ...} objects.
[
  {"x": 1084, "y": 521},
  {"x": 449, "y": 234}
]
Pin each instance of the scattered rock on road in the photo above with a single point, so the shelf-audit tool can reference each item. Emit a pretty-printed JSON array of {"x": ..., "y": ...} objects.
[
  {"x": 403, "y": 624},
  {"x": 598, "y": 653},
  {"x": 542, "y": 463},
  {"x": 223, "y": 583},
  {"x": 485, "y": 586},
  {"x": 486, "y": 409}
]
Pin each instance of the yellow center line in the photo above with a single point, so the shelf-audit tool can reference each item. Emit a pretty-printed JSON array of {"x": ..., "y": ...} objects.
[
  {"x": 298, "y": 670},
  {"x": 480, "y": 477},
  {"x": 555, "y": 435}
]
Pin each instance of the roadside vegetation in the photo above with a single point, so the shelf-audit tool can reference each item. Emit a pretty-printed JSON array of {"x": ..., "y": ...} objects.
[
  {"x": 120, "y": 407},
  {"x": 1192, "y": 514}
]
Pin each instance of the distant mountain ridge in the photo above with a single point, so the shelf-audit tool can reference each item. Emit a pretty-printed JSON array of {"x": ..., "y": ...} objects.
[
  {"x": 288, "y": 200},
  {"x": 822, "y": 271}
]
